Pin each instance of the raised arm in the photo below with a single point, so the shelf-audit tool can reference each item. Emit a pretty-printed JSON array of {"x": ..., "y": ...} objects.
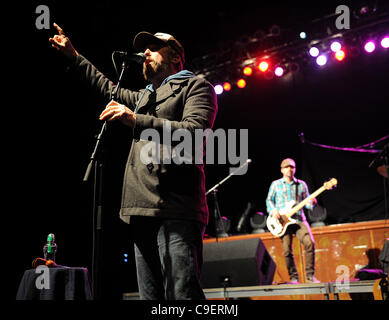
[
  {"x": 62, "y": 43},
  {"x": 89, "y": 73}
]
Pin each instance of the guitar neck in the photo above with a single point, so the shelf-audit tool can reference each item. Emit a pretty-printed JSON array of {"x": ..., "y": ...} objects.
[{"x": 302, "y": 204}]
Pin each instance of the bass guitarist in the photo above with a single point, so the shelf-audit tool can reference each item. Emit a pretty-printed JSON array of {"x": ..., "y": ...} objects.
[{"x": 282, "y": 191}]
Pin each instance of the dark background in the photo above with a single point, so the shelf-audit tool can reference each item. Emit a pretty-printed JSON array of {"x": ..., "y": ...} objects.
[{"x": 342, "y": 105}]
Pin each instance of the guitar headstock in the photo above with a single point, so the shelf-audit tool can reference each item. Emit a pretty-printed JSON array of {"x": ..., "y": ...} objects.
[{"x": 330, "y": 184}]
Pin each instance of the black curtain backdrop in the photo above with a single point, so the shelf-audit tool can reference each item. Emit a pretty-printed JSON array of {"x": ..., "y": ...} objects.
[
  {"x": 359, "y": 195},
  {"x": 54, "y": 118}
]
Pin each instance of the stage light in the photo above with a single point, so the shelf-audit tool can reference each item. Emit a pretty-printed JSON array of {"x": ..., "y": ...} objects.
[
  {"x": 227, "y": 86},
  {"x": 218, "y": 89},
  {"x": 223, "y": 225},
  {"x": 314, "y": 52},
  {"x": 303, "y": 35},
  {"x": 369, "y": 46},
  {"x": 321, "y": 60},
  {"x": 339, "y": 55},
  {"x": 248, "y": 71},
  {"x": 335, "y": 46},
  {"x": 258, "y": 222},
  {"x": 385, "y": 42},
  {"x": 263, "y": 66},
  {"x": 279, "y": 71},
  {"x": 317, "y": 216},
  {"x": 241, "y": 83}
]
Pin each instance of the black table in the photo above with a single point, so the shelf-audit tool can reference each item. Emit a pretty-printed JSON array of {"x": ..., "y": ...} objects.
[{"x": 55, "y": 283}]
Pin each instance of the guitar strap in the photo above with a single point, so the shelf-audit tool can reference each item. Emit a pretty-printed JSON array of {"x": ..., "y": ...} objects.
[
  {"x": 295, "y": 191},
  {"x": 296, "y": 194}
]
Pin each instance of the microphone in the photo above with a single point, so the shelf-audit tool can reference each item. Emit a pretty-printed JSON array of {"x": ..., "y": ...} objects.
[{"x": 135, "y": 57}]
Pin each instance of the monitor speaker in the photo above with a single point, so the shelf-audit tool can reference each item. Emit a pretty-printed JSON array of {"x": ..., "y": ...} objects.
[{"x": 237, "y": 263}]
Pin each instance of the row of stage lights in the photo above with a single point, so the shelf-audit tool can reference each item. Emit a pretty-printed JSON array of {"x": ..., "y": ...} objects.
[{"x": 337, "y": 51}]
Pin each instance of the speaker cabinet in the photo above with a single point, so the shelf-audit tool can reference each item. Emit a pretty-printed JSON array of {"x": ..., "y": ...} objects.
[{"x": 237, "y": 263}]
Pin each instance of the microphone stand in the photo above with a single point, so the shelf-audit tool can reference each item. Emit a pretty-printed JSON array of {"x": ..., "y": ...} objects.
[
  {"x": 96, "y": 161},
  {"x": 219, "y": 226}
]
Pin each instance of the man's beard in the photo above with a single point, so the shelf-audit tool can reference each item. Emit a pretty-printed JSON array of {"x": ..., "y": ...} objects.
[{"x": 154, "y": 70}]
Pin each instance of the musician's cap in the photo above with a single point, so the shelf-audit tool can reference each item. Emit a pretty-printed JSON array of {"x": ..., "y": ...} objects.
[
  {"x": 288, "y": 162},
  {"x": 142, "y": 39}
]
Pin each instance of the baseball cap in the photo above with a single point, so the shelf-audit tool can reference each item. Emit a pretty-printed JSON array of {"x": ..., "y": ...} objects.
[
  {"x": 142, "y": 39},
  {"x": 288, "y": 162}
]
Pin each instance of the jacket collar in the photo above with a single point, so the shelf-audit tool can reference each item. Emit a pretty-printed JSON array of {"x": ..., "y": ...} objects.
[
  {"x": 169, "y": 86},
  {"x": 182, "y": 75}
]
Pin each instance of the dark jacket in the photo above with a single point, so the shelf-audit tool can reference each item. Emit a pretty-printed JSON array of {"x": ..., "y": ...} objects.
[{"x": 163, "y": 190}]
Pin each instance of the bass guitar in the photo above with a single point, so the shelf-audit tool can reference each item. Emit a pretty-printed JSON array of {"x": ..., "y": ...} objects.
[{"x": 278, "y": 226}]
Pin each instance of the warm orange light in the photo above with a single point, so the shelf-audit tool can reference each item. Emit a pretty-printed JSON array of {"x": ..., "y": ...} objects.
[
  {"x": 263, "y": 66},
  {"x": 241, "y": 83},
  {"x": 339, "y": 55},
  {"x": 248, "y": 71},
  {"x": 227, "y": 86}
]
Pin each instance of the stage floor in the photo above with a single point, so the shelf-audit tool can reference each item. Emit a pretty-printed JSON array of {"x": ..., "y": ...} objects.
[{"x": 316, "y": 291}]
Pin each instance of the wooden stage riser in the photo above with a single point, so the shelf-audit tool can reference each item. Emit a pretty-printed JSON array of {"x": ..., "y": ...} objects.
[{"x": 340, "y": 250}]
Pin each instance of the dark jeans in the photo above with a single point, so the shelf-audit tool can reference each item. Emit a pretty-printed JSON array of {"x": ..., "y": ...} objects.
[
  {"x": 303, "y": 233},
  {"x": 168, "y": 256}
]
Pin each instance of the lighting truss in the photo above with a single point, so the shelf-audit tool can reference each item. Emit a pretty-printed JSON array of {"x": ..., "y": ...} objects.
[{"x": 287, "y": 50}]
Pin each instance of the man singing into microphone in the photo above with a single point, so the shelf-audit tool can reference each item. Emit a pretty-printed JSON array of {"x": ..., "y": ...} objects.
[{"x": 166, "y": 202}]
